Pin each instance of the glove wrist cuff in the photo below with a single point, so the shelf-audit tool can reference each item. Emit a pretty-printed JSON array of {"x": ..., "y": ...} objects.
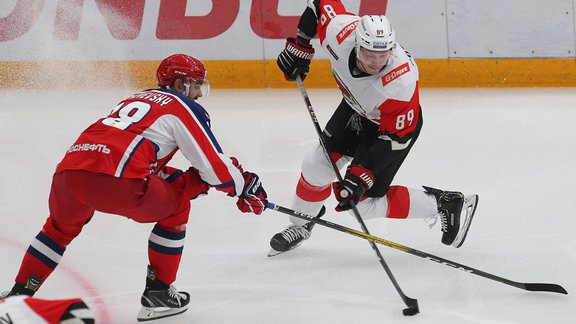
[
  {"x": 300, "y": 52},
  {"x": 365, "y": 176}
]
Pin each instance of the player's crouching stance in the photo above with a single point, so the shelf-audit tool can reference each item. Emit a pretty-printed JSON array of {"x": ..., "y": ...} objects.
[
  {"x": 118, "y": 165},
  {"x": 372, "y": 130}
]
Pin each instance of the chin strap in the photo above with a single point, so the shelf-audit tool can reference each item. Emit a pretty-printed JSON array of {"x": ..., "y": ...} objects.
[{"x": 187, "y": 87}]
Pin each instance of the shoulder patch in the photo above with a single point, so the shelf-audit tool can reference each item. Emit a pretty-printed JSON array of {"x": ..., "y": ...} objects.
[
  {"x": 346, "y": 31},
  {"x": 395, "y": 74}
]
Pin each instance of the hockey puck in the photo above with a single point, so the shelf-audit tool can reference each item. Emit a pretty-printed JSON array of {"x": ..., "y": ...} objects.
[{"x": 410, "y": 311}]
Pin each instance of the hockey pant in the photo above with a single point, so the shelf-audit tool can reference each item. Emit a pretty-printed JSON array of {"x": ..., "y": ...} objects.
[
  {"x": 76, "y": 195},
  {"x": 314, "y": 188}
]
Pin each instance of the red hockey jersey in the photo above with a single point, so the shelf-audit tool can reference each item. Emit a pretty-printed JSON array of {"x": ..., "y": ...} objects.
[{"x": 143, "y": 132}]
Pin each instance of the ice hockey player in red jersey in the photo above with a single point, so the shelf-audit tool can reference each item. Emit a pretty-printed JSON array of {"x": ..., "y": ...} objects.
[
  {"x": 30, "y": 310},
  {"x": 118, "y": 165},
  {"x": 371, "y": 131}
]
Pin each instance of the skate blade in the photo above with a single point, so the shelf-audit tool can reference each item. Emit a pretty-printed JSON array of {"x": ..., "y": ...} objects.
[
  {"x": 154, "y": 313},
  {"x": 470, "y": 204},
  {"x": 273, "y": 252}
]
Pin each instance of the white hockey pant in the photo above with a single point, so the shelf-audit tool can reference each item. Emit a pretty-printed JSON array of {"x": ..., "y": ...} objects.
[{"x": 314, "y": 188}]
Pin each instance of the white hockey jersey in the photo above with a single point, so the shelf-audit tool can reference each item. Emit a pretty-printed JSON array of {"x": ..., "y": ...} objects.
[{"x": 389, "y": 98}]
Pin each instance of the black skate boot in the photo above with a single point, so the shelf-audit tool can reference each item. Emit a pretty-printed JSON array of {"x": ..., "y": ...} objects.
[
  {"x": 292, "y": 236},
  {"x": 160, "y": 300},
  {"x": 28, "y": 289},
  {"x": 456, "y": 212}
]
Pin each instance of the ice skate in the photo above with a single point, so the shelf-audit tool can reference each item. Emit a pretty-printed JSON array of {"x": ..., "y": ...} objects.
[
  {"x": 456, "y": 212},
  {"x": 32, "y": 284},
  {"x": 160, "y": 300},
  {"x": 292, "y": 237}
]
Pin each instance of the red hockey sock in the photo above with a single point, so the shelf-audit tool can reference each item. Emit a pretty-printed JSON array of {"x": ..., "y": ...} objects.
[
  {"x": 312, "y": 193},
  {"x": 165, "y": 251},
  {"x": 41, "y": 258},
  {"x": 398, "y": 202}
]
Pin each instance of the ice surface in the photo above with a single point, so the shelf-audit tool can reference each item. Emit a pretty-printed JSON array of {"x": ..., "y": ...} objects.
[{"x": 514, "y": 147}]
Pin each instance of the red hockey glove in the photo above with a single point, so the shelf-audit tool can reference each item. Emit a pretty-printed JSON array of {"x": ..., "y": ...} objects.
[
  {"x": 353, "y": 187},
  {"x": 295, "y": 59},
  {"x": 253, "y": 198},
  {"x": 188, "y": 182}
]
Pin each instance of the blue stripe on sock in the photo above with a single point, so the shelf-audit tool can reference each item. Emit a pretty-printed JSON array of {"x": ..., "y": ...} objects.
[
  {"x": 167, "y": 234},
  {"x": 165, "y": 250},
  {"x": 43, "y": 258},
  {"x": 50, "y": 243}
]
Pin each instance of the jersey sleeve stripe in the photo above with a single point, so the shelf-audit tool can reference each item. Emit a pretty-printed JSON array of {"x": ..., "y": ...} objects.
[
  {"x": 224, "y": 185},
  {"x": 196, "y": 141},
  {"x": 199, "y": 116}
]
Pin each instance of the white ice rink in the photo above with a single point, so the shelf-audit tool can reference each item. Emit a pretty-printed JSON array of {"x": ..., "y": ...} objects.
[{"x": 516, "y": 148}]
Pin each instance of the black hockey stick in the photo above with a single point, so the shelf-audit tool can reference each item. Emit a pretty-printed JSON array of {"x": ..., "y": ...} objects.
[
  {"x": 546, "y": 287},
  {"x": 412, "y": 303}
]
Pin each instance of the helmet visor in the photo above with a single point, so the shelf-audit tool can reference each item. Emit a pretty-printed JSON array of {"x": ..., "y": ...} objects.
[
  {"x": 205, "y": 87},
  {"x": 198, "y": 88}
]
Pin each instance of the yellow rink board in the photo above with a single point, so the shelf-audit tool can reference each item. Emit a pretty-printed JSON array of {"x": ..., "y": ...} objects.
[{"x": 265, "y": 74}]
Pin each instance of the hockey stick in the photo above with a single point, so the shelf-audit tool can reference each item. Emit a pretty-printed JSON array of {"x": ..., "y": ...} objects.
[
  {"x": 545, "y": 287},
  {"x": 412, "y": 303}
]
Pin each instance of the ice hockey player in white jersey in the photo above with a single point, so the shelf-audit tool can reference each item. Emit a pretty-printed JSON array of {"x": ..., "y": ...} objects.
[{"x": 371, "y": 131}]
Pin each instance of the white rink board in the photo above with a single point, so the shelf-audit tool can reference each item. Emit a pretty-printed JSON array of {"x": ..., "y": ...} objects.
[
  {"x": 429, "y": 29},
  {"x": 510, "y": 28},
  {"x": 424, "y": 33}
]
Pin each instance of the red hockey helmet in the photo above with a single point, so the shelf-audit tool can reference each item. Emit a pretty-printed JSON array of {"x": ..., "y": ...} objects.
[{"x": 180, "y": 66}]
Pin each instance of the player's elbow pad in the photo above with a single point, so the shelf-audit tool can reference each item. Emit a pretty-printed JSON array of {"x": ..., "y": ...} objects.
[{"x": 307, "y": 26}]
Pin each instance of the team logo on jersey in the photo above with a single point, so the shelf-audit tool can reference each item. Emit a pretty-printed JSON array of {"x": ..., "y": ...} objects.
[
  {"x": 89, "y": 147},
  {"x": 395, "y": 74},
  {"x": 346, "y": 31}
]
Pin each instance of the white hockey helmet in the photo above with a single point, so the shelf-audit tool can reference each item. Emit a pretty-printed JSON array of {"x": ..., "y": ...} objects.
[{"x": 375, "y": 33}]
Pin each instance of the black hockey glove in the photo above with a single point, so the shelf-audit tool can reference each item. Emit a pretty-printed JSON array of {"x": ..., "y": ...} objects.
[
  {"x": 253, "y": 198},
  {"x": 295, "y": 59},
  {"x": 353, "y": 187}
]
